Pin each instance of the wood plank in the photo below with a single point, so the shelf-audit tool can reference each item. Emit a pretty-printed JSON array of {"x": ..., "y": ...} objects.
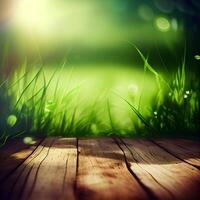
[
  {"x": 13, "y": 154},
  {"x": 12, "y": 187},
  {"x": 187, "y": 150},
  {"x": 56, "y": 175},
  {"x": 49, "y": 173},
  {"x": 144, "y": 175},
  {"x": 167, "y": 176},
  {"x": 102, "y": 172}
]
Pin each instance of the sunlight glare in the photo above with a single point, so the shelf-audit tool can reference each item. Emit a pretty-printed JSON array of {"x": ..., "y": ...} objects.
[{"x": 31, "y": 14}]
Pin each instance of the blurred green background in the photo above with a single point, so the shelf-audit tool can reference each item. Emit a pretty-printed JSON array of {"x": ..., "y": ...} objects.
[
  {"x": 93, "y": 31},
  {"x": 93, "y": 42}
]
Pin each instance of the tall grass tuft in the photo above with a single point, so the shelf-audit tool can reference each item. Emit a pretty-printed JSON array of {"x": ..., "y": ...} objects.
[
  {"x": 32, "y": 105},
  {"x": 175, "y": 109}
]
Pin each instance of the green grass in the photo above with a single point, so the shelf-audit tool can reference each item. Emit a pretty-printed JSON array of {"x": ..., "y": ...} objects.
[
  {"x": 37, "y": 112},
  {"x": 48, "y": 102},
  {"x": 52, "y": 102},
  {"x": 174, "y": 111}
]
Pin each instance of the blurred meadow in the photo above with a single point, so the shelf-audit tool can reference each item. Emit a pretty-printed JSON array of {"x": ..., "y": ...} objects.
[{"x": 99, "y": 68}]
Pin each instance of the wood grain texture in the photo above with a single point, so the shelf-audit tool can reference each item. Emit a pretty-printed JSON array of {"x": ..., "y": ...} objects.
[
  {"x": 98, "y": 169},
  {"x": 167, "y": 176},
  {"x": 13, "y": 186},
  {"x": 102, "y": 172},
  {"x": 187, "y": 150},
  {"x": 49, "y": 173},
  {"x": 13, "y": 154}
]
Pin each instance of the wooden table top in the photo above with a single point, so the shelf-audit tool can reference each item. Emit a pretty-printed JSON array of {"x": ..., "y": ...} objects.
[{"x": 100, "y": 169}]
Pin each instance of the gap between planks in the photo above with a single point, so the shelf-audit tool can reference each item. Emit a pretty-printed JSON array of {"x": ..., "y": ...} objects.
[
  {"x": 77, "y": 181},
  {"x": 28, "y": 178},
  {"x": 178, "y": 148},
  {"x": 167, "y": 176},
  {"x": 103, "y": 174},
  {"x": 15, "y": 148}
]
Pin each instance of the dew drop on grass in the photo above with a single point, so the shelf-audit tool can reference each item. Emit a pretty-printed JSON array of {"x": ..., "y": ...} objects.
[
  {"x": 187, "y": 92},
  {"x": 185, "y": 96},
  {"x": 28, "y": 140},
  {"x": 11, "y": 120}
]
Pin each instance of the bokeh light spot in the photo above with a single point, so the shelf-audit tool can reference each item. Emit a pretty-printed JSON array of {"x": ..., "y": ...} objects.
[
  {"x": 11, "y": 120},
  {"x": 145, "y": 12},
  {"x": 162, "y": 24},
  {"x": 29, "y": 140},
  {"x": 197, "y": 57}
]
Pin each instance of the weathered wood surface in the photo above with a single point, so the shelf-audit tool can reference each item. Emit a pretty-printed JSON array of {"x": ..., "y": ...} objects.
[
  {"x": 167, "y": 176},
  {"x": 187, "y": 150},
  {"x": 13, "y": 154},
  {"x": 103, "y": 168},
  {"x": 102, "y": 172}
]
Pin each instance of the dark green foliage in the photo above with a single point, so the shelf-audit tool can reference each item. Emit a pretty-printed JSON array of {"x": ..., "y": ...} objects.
[
  {"x": 175, "y": 110},
  {"x": 26, "y": 108}
]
